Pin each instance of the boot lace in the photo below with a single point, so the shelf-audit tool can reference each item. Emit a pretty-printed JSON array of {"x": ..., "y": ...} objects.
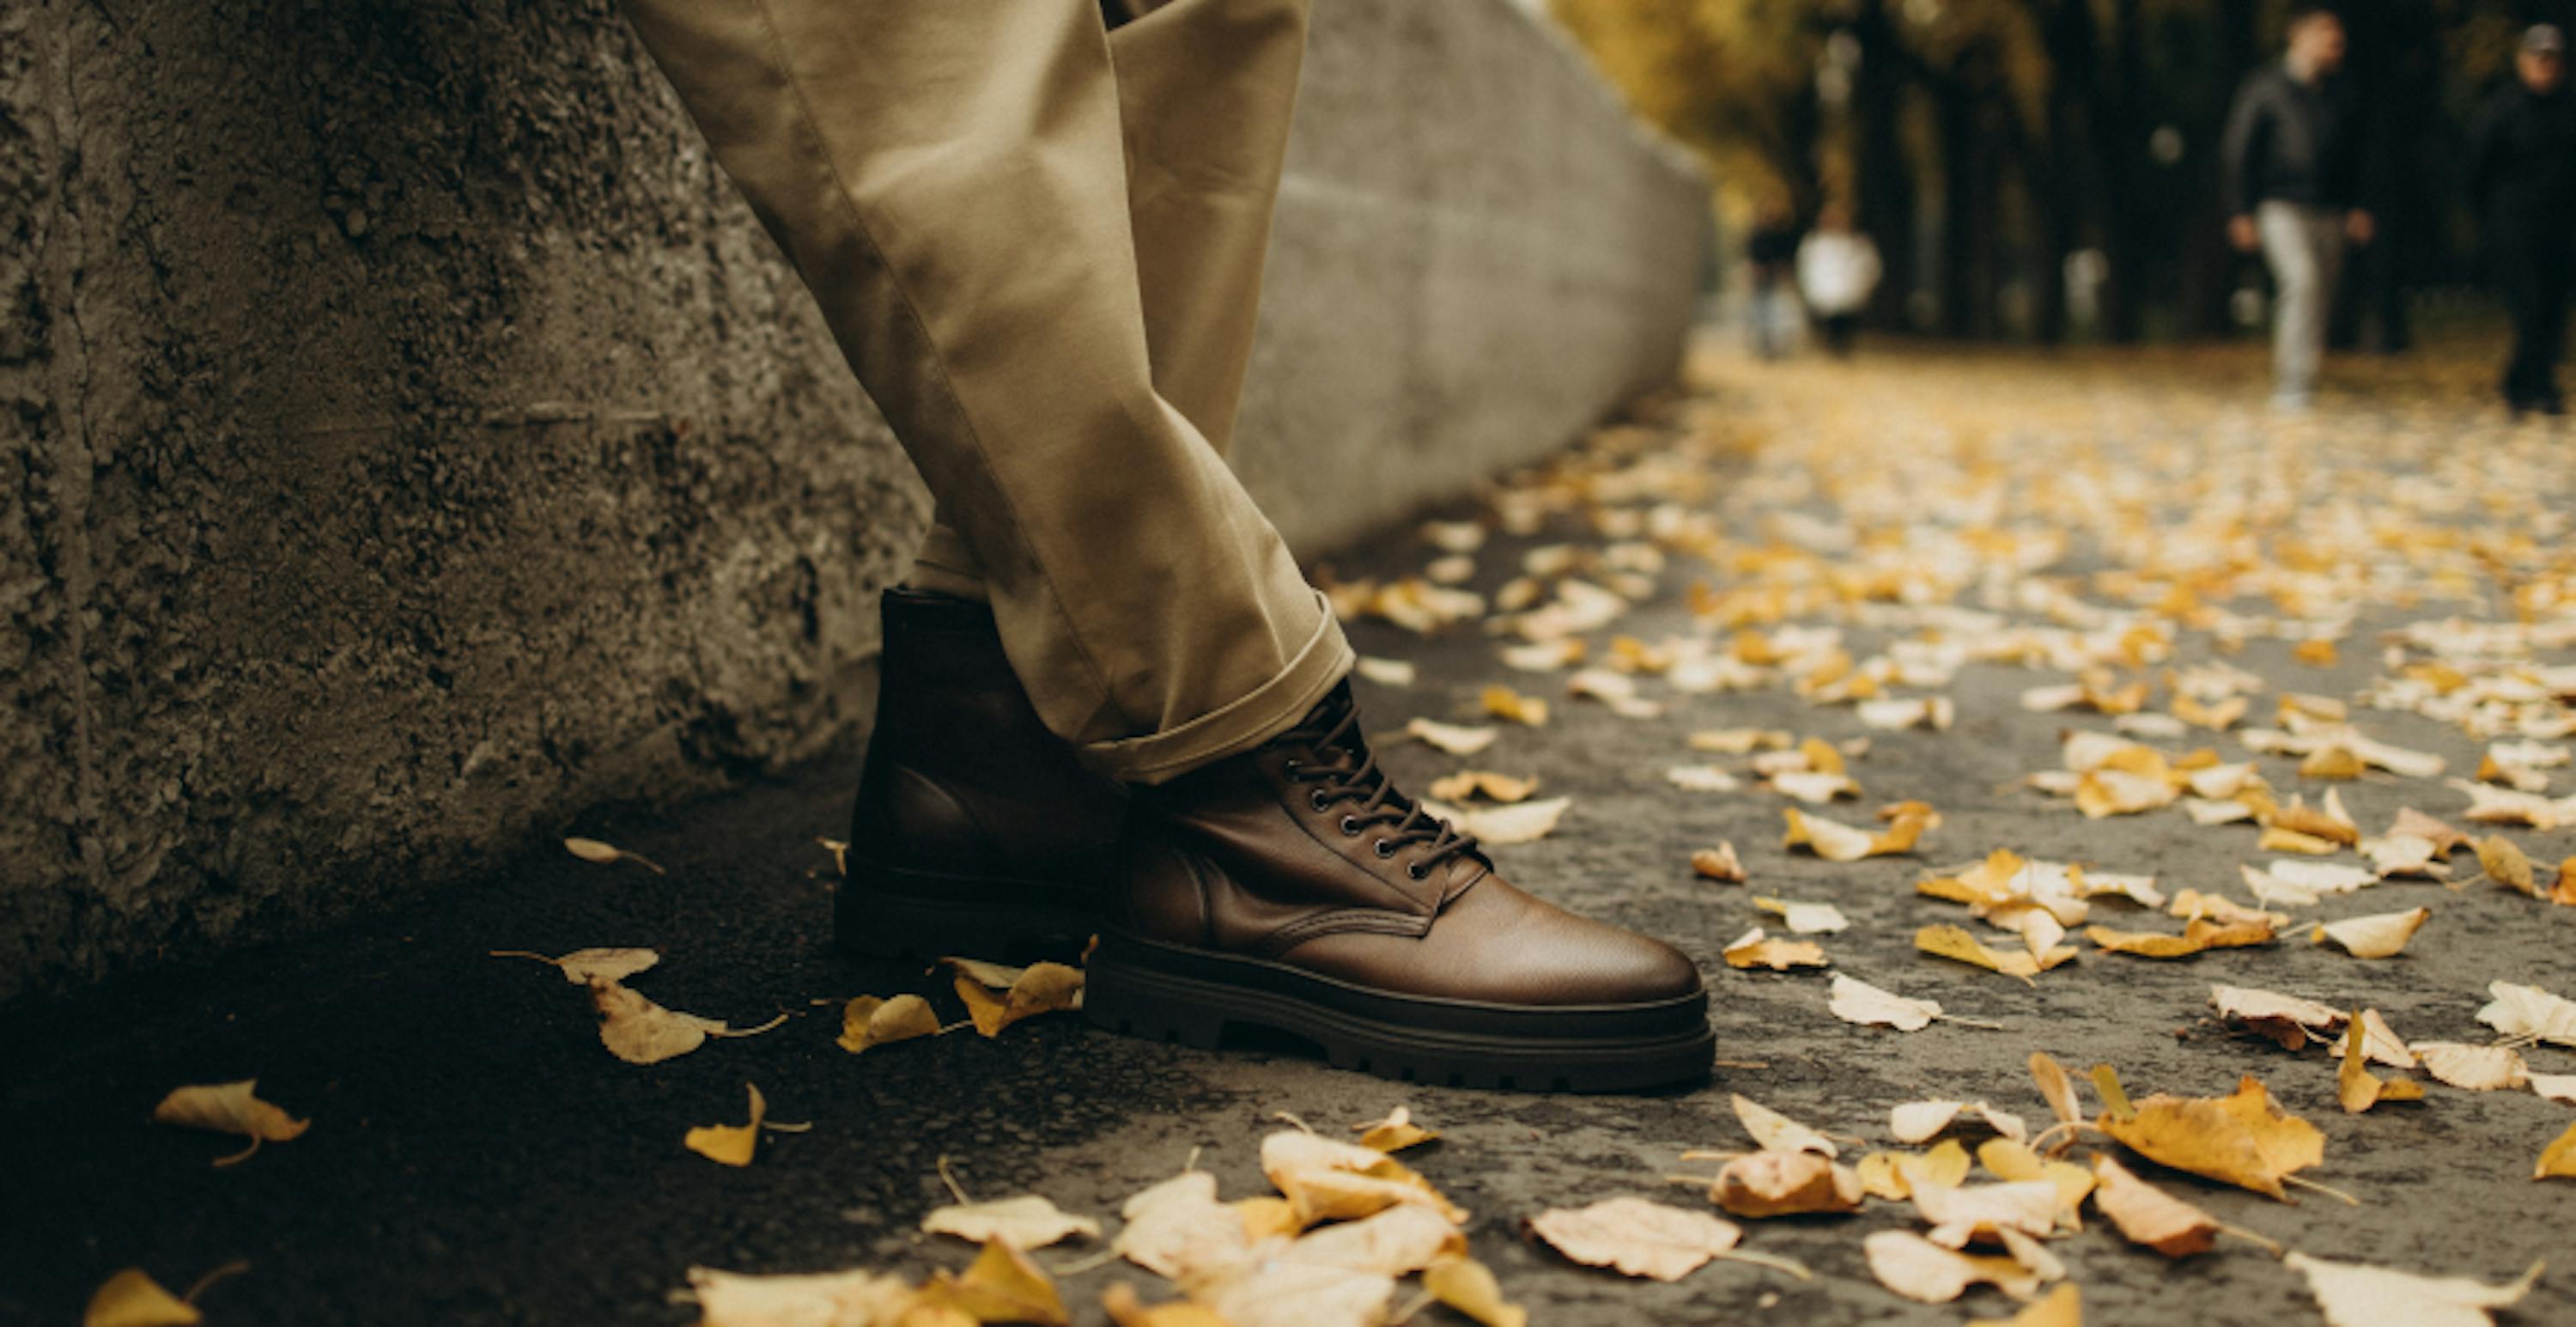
[{"x": 1351, "y": 775}]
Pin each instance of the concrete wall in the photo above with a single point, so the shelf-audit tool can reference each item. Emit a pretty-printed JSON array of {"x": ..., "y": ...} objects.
[{"x": 406, "y": 439}]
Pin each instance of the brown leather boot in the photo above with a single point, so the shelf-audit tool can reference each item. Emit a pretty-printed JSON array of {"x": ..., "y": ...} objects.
[
  {"x": 1292, "y": 887},
  {"x": 976, "y": 830}
]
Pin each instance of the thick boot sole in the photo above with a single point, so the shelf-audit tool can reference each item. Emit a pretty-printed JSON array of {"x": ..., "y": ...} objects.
[
  {"x": 1195, "y": 998},
  {"x": 906, "y": 913}
]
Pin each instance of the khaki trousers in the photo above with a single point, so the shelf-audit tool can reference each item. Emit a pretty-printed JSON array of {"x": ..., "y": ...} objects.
[{"x": 1039, "y": 245}]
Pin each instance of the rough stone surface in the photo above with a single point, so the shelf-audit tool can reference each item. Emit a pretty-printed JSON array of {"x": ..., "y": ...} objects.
[{"x": 409, "y": 439}]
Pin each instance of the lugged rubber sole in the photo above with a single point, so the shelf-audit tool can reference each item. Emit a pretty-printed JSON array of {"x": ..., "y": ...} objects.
[
  {"x": 1196, "y": 997},
  {"x": 900, "y": 912}
]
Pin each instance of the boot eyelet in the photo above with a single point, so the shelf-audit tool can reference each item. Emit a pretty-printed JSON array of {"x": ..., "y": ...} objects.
[
  {"x": 1414, "y": 869},
  {"x": 1288, "y": 767},
  {"x": 1350, "y": 827},
  {"x": 1316, "y": 800},
  {"x": 1386, "y": 847}
]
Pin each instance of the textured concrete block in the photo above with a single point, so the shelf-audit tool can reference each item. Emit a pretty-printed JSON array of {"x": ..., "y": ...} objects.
[{"x": 410, "y": 439}]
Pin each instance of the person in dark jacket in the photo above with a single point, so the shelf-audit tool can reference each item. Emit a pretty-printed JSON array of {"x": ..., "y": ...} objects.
[
  {"x": 2522, "y": 171},
  {"x": 2294, "y": 181}
]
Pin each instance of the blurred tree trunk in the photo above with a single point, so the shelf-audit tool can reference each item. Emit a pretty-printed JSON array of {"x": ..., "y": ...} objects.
[
  {"x": 2209, "y": 262},
  {"x": 2119, "y": 133},
  {"x": 1881, "y": 175},
  {"x": 1973, "y": 145}
]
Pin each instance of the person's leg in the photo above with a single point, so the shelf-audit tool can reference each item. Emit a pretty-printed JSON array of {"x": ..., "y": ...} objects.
[
  {"x": 2297, "y": 318},
  {"x": 950, "y": 181},
  {"x": 2514, "y": 268},
  {"x": 2557, "y": 271}
]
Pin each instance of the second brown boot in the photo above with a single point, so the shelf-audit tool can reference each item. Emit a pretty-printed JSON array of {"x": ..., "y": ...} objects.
[
  {"x": 1293, "y": 888},
  {"x": 976, "y": 832}
]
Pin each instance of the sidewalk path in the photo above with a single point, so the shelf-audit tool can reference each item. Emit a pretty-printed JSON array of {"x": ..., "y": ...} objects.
[{"x": 1969, "y": 527}]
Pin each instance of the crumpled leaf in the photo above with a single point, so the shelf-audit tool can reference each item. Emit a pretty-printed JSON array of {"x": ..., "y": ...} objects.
[
  {"x": 2504, "y": 863},
  {"x": 1001, "y": 1285},
  {"x": 1328, "y": 1180},
  {"x": 2244, "y": 1139},
  {"x": 1773, "y": 1183},
  {"x": 1925, "y": 1272},
  {"x": 1754, "y": 949},
  {"x": 854, "y": 1298},
  {"x": 1953, "y": 942},
  {"x": 871, "y": 1020},
  {"x": 1456, "y": 739},
  {"x": 1469, "y": 1287},
  {"x": 1636, "y": 1237},
  {"x": 2057, "y": 1087},
  {"x": 2012, "y": 1160},
  {"x": 2380, "y": 935},
  {"x": 1980, "y": 1213},
  {"x": 2358, "y": 1088},
  {"x": 2474, "y": 1068},
  {"x": 1856, "y": 1001},
  {"x": 1177, "y": 1227},
  {"x": 2286, "y": 1019},
  {"x": 2148, "y": 1215},
  {"x": 638, "y": 1031},
  {"x": 2558, "y": 1160},
  {"x": 729, "y": 1144},
  {"x": 1719, "y": 863},
  {"x": 2529, "y": 1011},
  {"x": 1836, "y": 842},
  {"x": 2355, "y": 1295},
  {"x": 2193, "y": 905},
  {"x": 233, "y": 1108},
  {"x": 1922, "y": 1121},
  {"x": 1394, "y": 1133},
  {"x": 1026, "y": 1221},
  {"x": 1775, "y": 1132},
  {"x": 132, "y": 1298},
  {"x": 998, "y": 996},
  {"x": 2197, "y": 937}
]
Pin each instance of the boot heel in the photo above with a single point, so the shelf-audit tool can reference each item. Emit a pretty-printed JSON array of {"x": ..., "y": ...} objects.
[
  {"x": 1117, "y": 1004},
  {"x": 893, "y": 912}
]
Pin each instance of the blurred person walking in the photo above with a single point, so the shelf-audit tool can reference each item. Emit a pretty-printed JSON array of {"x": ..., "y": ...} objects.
[
  {"x": 2522, "y": 173},
  {"x": 2293, "y": 151},
  {"x": 1771, "y": 262},
  {"x": 1837, "y": 270}
]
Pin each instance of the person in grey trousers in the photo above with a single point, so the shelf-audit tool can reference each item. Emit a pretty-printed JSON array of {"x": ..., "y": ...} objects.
[{"x": 2295, "y": 188}]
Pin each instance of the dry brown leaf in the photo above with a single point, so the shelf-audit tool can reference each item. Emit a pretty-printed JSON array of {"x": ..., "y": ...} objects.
[
  {"x": 729, "y": 1144},
  {"x": 2474, "y": 1068},
  {"x": 133, "y": 1299},
  {"x": 2354, "y": 1295},
  {"x": 1394, "y": 1133},
  {"x": 1636, "y": 1237},
  {"x": 2558, "y": 1160},
  {"x": 1856, "y": 1001},
  {"x": 1719, "y": 863},
  {"x": 805, "y": 1299},
  {"x": 996, "y": 996},
  {"x": 1923, "y": 1271},
  {"x": 2148, "y": 1215},
  {"x": 1754, "y": 949},
  {"x": 1773, "y": 1183},
  {"x": 2358, "y": 1088},
  {"x": 871, "y": 1020},
  {"x": 2381, "y": 935},
  {"x": 2244, "y": 1139},
  {"x": 2197, "y": 937},
  {"x": 233, "y": 1108},
  {"x": 1026, "y": 1221}
]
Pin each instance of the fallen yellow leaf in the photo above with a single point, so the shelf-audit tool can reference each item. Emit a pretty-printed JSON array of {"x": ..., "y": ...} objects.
[
  {"x": 2062, "y": 1307},
  {"x": 730, "y": 1144},
  {"x": 1041, "y": 988},
  {"x": 732, "y": 1299},
  {"x": 2148, "y": 1215},
  {"x": 1636, "y": 1237},
  {"x": 873, "y": 1021},
  {"x": 2558, "y": 1160},
  {"x": 2358, "y": 1088},
  {"x": 2243, "y": 1139},
  {"x": 1923, "y": 1271},
  {"x": 1753, "y": 949},
  {"x": 1471, "y": 783},
  {"x": 1002, "y": 1285},
  {"x": 1953, "y": 942},
  {"x": 1027, "y": 1221},
  {"x": 1768, "y": 1183},
  {"x": 132, "y": 1299},
  {"x": 1507, "y": 704},
  {"x": 1469, "y": 1287},
  {"x": 1126, "y": 1310},
  {"x": 1856, "y": 1001},
  {"x": 1394, "y": 1133},
  {"x": 2353, "y": 1295},
  {"x": 2197, "y": 937},
  {"x": 1719, "y": 863},
  {"x": 1841, "y": 843},
  {"x": 233, "y": 1108},
  {"x": 2380, "y": 935},
  {"x": 592, "y": 850}
]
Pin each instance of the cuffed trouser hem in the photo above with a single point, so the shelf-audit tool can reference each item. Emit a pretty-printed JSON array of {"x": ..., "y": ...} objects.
[{"x": 1269, "y": 710}]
